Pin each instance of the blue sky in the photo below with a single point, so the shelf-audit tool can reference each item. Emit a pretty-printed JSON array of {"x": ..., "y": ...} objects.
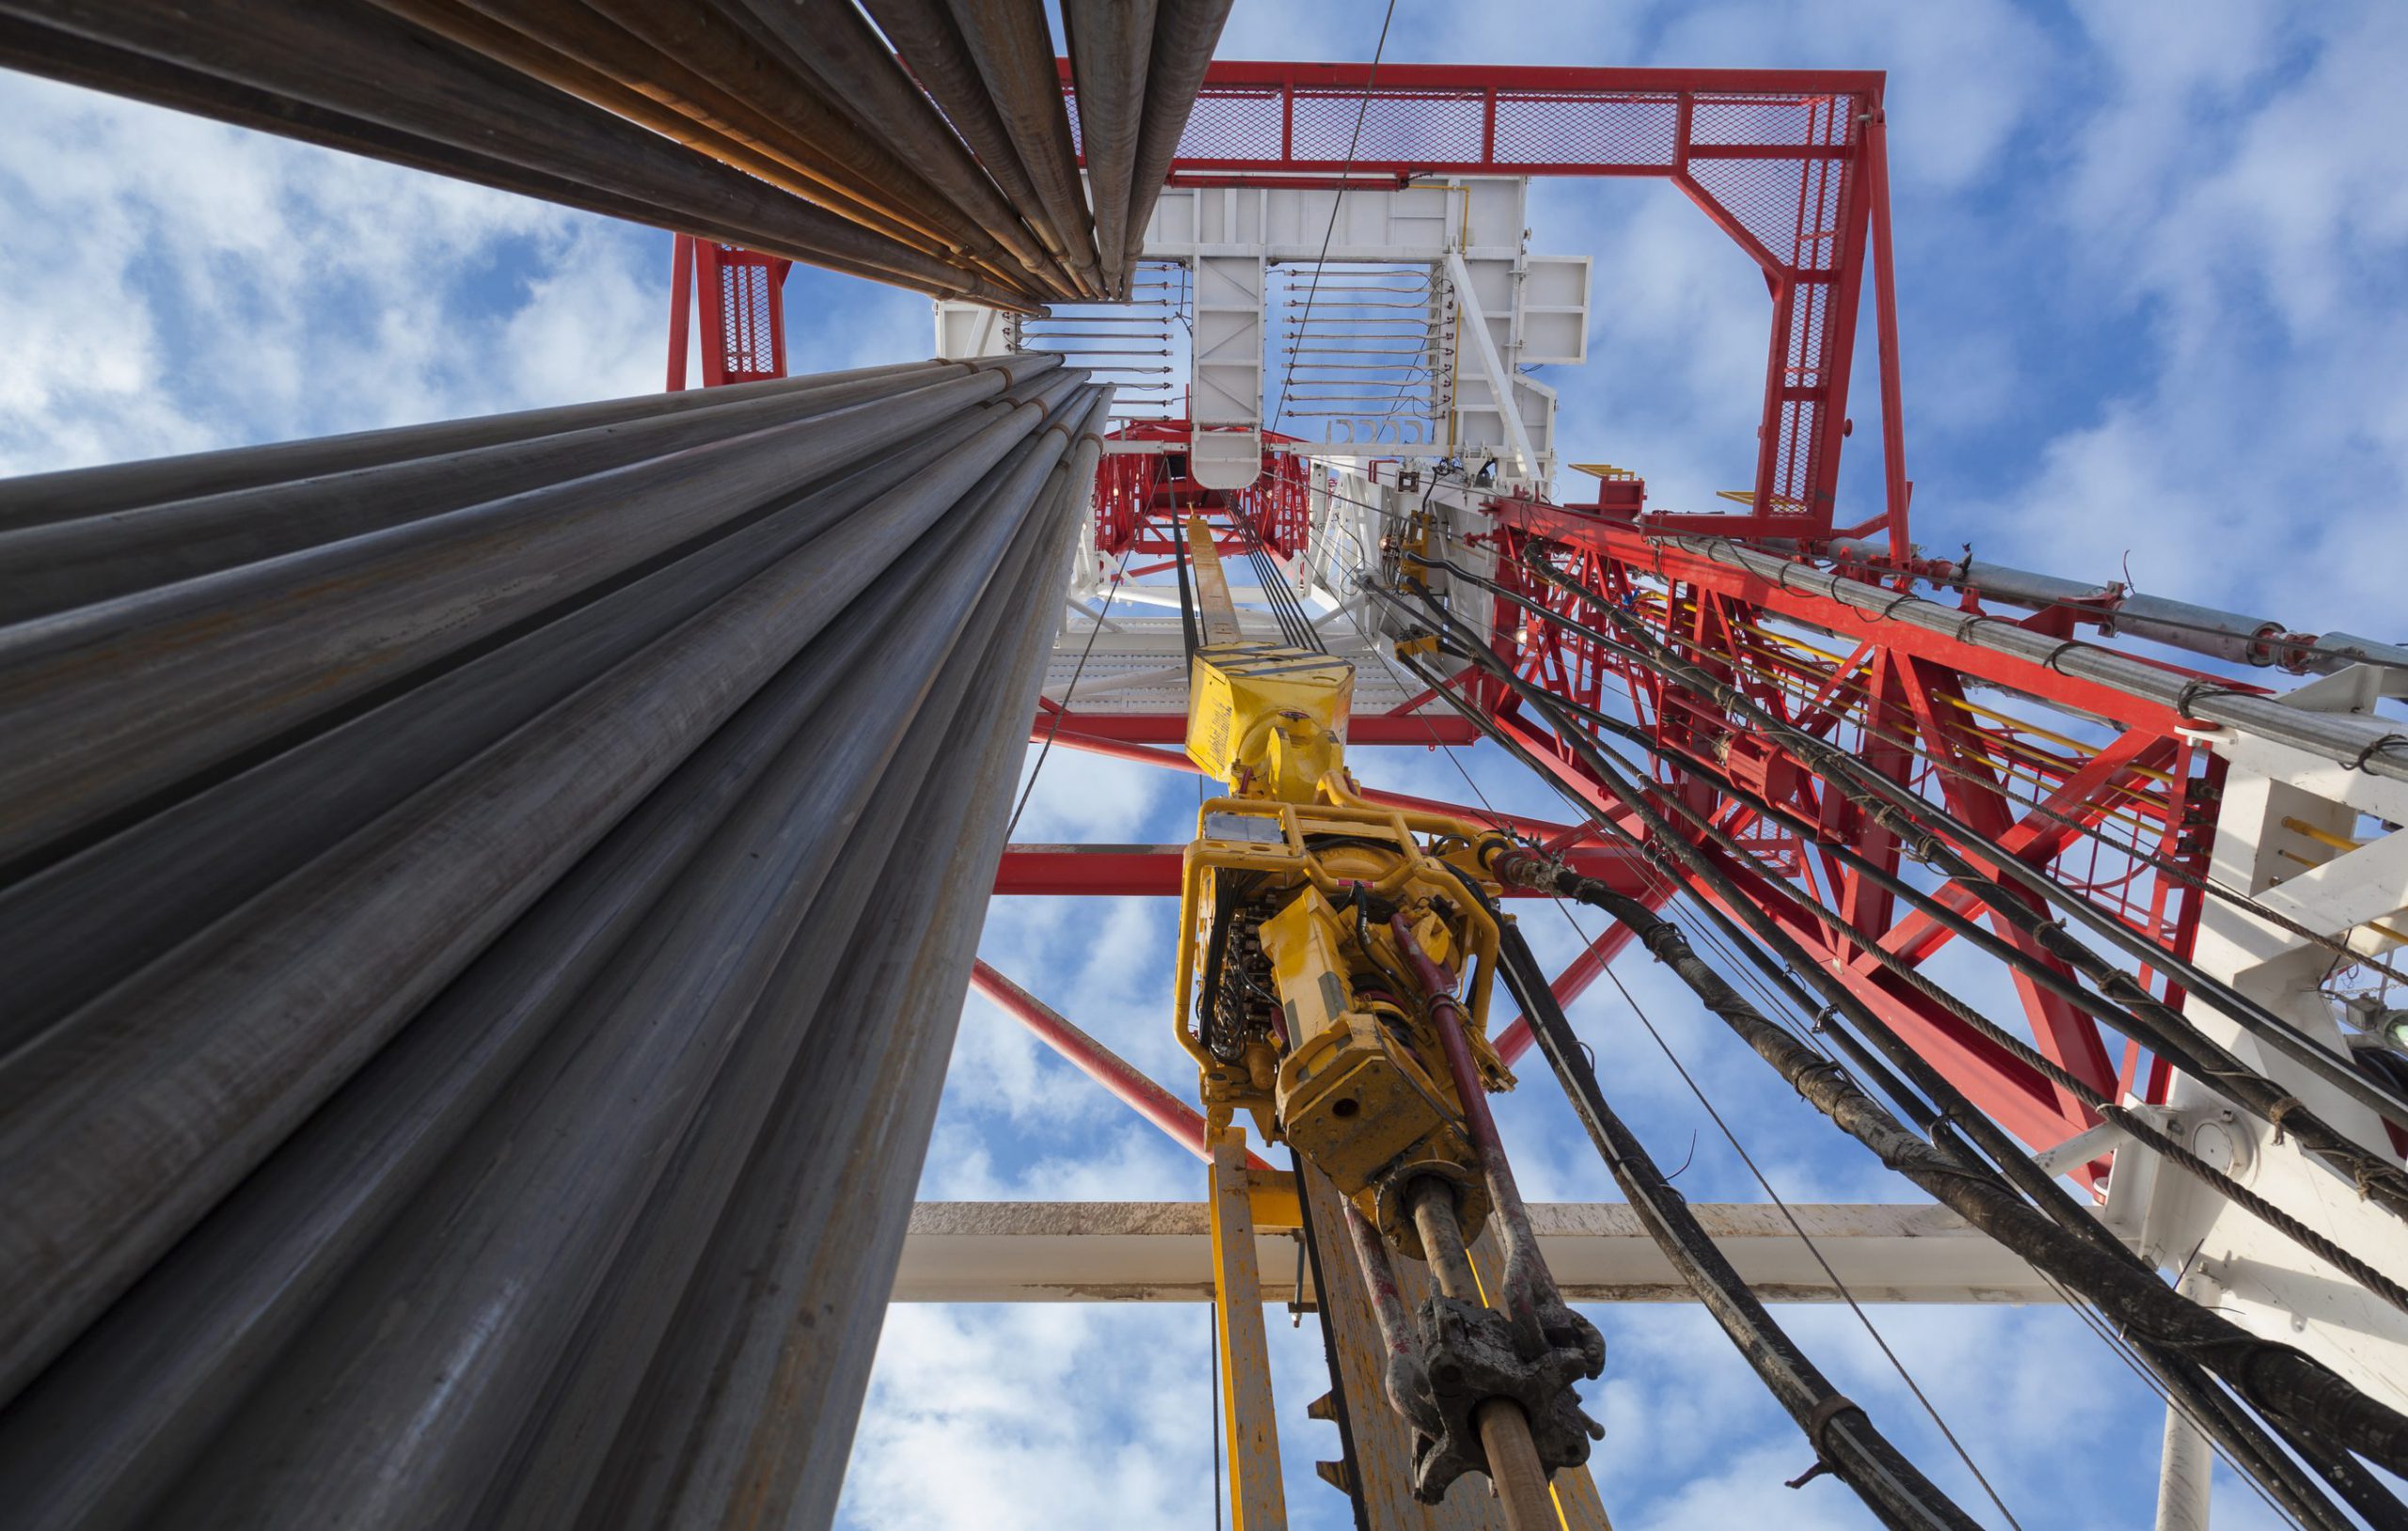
[{"x": 2148, "y": 259}]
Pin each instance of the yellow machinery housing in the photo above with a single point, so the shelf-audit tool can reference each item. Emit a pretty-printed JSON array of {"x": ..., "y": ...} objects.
[{"x": 1293, "y": 998}]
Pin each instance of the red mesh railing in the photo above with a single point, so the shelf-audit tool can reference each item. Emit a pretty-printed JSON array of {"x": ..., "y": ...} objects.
[{"x": 748, "y": 326}]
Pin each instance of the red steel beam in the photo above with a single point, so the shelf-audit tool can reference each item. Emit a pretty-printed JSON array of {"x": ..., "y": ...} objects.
[{"x": 1151, "y": 1101}]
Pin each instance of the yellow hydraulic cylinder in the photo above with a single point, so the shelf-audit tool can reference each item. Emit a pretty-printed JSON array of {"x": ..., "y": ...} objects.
[{"x": 1353, "y": 1097}]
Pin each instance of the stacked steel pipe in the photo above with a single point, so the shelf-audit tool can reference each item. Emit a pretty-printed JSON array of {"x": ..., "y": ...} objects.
[
  {"x": 487, "y": 907},
  {"x": 782, "y": 126}
]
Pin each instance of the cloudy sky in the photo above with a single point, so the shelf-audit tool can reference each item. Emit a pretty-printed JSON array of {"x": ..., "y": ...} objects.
[{"x": 2149, "y": 258}]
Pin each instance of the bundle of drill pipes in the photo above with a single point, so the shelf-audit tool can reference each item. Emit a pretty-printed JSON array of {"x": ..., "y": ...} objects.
[
  {"x": 789, "y": 127},
  {"x": 485, "y": 938}
]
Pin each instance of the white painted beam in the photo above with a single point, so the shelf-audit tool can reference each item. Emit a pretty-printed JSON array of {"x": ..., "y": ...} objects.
[{"x": 1161, "y": 1252}]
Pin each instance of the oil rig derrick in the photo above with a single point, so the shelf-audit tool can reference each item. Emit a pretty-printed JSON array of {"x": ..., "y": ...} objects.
[{"x": 489, "y": 903}]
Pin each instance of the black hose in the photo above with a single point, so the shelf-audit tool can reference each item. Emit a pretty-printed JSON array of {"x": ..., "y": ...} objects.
[
  {"x": 1929, "y": 821},
  {"x": 1844, "y": 1436},
  {"x": 2275, "y": 1379},
  {"x": 2245, "y": 1441}
]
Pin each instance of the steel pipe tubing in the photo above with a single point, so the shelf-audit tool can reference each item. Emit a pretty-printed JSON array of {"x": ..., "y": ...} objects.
[
  {"x": 206, "y": 669},
  {"x": 74, "y": 930},
  {"x": 783, "y": 128},
  {"x": 81, "y": 562},
  {"x": 1185, "y": 33},
  {"x": 924, "y": 34},
  {"x": 1111, "y": 42},
  {"x": 41, "y": 498},
  {"x": 322, "y": 64},
  {"x": 733, "y": 806},
  {"x": 1013, "y": 48}
]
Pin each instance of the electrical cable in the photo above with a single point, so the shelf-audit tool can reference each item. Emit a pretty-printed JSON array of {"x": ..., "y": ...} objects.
[
  {"x": 1933, "y": 821},
  {"x": 2139, "y": 1127},
  {"x": 2224, "y": 1072},
  {"x": 1542, "y": 1003},
  {"x": 1725, "y": 1293},
  {"x": 2270, "y": 1473},
  {"x": 2176, "y": 1034},
  {"x": 2373, "y": 1176},
  {"x": 2242, "y": 1440}
]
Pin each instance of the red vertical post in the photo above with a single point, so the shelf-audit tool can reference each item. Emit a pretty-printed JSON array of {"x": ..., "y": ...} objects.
[
  {"x": 1885, "y": 320},
  {"x": 710, "y": 288},
  {"x": 1784, "y": 298},
  {"x": 779, "y": 271},
  {"x": 681, "y": 302}
]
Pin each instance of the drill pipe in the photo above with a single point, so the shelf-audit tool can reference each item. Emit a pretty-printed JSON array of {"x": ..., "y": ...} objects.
[
  {"x": 223, "y": 1308},
  {"x": 75, "y": 929},
  {"x": 206, "y": 669},
  {"x": 797, "y": 97},
  {"x": 121, "y": 1126},
  {"x": 831, "y": 41},
  {"x": 41, "y": 499},
  {"x": 923, "y": 35},
  {"x": 748, "y": 1411},
  {"x": 350, "y": 60},
  {"x": 813, "y": 979},
  {"x": 1185, "y": 33},
  {"x": 553, "y": 1181},
  {"x": 2363, "y": 743},
  {"x": 81, "y": 562},
  {"x": 1526, "y": 1286},
  {"x": 93, "y": 64},
  {"x": 1111, "y": 42},
  {"x": 1014, "y": 51},
  {"x": 1514, "y": 1467},
  {"x": 607, "y": 73},
  {"x": 707, "y": 71},
  {"x": 213, "y": 1318}
]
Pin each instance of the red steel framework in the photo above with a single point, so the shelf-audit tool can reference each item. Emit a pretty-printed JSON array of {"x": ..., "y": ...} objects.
[
  {"x": 1142, "y": 496},
  {"x": 739, "y": 299},
  {"x": 2105, "y": 792}
]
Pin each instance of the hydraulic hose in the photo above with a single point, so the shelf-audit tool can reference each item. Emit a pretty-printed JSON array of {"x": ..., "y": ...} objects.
[
  {"x": 1844, "y": 1439},
  {"x": 2245, "y": 1441},
  {"x": 2275, "y": 1378},
  {"x": 1927, "y": 822}
]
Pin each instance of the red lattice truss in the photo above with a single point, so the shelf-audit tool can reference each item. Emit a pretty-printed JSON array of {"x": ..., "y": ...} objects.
[
  {"x": 1793, "y": 168},
  {"x": 2125, "y": 817}
]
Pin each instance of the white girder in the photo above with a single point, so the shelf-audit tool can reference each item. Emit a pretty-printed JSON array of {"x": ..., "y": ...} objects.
[
  {"x": 2263, "y": 1281},
  {"x": 1161, "y": 1252}
]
